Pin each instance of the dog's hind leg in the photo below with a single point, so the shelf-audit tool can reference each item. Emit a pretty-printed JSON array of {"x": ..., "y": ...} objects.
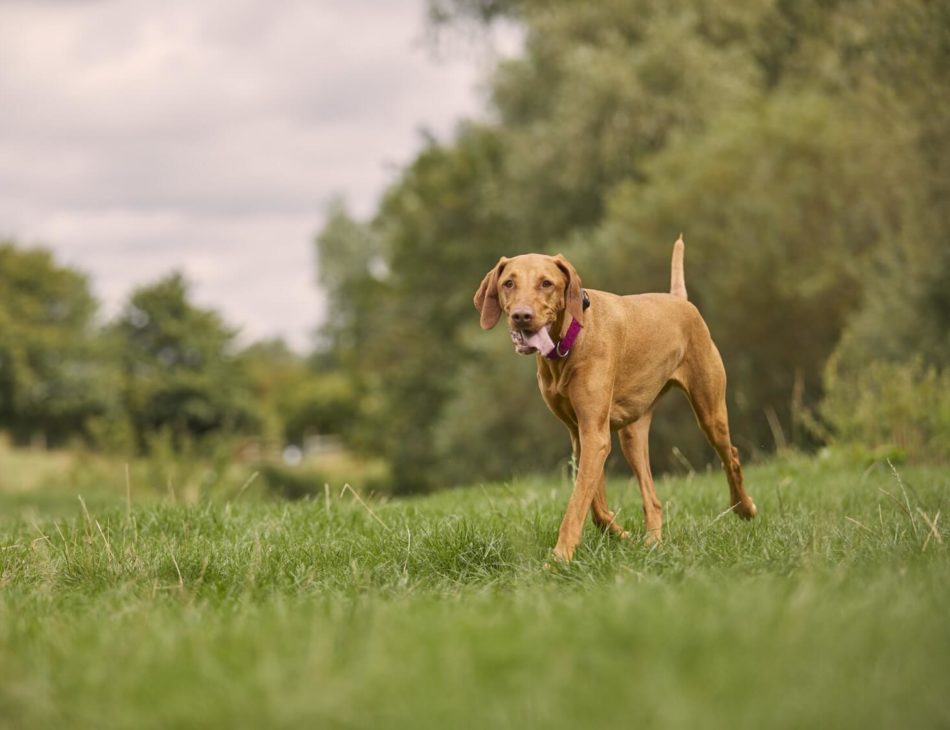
[
  {"x": 707, "y": 394},
  {"x": 635, "y": 444}
]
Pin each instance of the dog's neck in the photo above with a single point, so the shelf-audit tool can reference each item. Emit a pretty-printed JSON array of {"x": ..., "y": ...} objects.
[{"x": 569, "y": 329}]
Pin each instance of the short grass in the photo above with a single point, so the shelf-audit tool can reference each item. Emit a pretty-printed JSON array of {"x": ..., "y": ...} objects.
[{"x": 831, "y": 610}]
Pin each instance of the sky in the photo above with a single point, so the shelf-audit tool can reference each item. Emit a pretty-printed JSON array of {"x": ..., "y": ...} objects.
[{"x": 138, "y": 138}]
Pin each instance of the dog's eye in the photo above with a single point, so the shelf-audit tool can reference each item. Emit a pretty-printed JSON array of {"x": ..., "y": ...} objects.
[
  {"x": 509, "y": 284},
  {"x": 547, "y": 284}
]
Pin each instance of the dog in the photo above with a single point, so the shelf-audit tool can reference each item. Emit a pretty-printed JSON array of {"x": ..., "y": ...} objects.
[{"x": 613, "y": 359}]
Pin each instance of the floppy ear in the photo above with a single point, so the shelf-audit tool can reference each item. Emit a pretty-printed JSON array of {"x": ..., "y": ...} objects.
[
  {"x": 573, "y": 299},
  {"x": 486, "y": 298}
]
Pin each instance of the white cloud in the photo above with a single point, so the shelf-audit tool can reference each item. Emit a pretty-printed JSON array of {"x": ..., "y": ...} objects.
[{"x": 139, "y": 137}]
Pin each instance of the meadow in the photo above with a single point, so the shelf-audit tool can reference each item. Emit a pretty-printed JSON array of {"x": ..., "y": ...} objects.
[{"x": 137, "y": 607}]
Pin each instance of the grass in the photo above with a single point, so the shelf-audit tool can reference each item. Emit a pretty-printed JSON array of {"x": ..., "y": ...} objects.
[{"x": 829, "y": 611}]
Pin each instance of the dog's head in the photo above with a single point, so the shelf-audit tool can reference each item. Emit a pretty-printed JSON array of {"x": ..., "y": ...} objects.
[{"x": 535, "y": 292}]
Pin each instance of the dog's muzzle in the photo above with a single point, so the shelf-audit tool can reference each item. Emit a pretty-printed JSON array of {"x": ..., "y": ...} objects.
[{"x": 527, "y": 343}]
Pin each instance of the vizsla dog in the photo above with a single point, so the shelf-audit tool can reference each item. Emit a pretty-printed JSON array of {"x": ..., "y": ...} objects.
[{"x": 614, "y": 359}]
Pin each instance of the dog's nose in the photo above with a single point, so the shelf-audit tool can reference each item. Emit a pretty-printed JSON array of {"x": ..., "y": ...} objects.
[{"x": 522, "y": 316}]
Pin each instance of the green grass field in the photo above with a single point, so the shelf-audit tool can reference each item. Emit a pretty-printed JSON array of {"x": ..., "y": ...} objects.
[{"x": 830, "y": 611}]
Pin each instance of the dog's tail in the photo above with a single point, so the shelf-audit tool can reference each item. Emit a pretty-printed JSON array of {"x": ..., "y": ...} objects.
[{"x": 677, "y": 278}]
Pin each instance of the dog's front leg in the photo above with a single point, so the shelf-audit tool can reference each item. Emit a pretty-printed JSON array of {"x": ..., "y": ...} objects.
[{"x": 594, "y": 434}]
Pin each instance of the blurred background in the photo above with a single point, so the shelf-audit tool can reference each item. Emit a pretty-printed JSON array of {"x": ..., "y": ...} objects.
[{"x": 251, "y": 234}]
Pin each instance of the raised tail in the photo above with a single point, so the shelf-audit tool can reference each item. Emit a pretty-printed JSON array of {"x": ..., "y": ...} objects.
[{"x": 677, "y": 278}]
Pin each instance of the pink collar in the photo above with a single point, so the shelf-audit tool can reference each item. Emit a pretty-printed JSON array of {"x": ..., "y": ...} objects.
[{"x": 563, "y": 348}]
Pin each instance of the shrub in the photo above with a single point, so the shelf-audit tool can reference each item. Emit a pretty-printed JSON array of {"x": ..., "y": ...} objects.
[{"x": 891, "y": 404}]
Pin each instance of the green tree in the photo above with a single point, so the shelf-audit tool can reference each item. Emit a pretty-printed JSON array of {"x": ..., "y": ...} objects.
[
  {"x": 180, "y": 373},
  {"x": 53, "y": 380},
  {"x": 294, "y": 398},
  {"x": 897, "y": 67}
]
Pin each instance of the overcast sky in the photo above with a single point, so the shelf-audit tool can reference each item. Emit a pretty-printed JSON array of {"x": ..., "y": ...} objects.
[{"x": 138, "y": 137}]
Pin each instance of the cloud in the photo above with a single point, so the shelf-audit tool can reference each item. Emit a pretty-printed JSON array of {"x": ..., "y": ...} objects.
[{"x": 137, "y": 137}]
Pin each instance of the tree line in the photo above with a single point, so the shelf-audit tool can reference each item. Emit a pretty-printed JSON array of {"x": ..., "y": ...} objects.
[{"x": 162, "y": 369}]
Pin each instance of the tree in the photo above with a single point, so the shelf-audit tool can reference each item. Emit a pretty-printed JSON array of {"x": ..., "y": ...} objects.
[
  {"x": 53, "y": 380},
  {"x": 180, "y": 375},
  {"x": 295, "y": 400}
]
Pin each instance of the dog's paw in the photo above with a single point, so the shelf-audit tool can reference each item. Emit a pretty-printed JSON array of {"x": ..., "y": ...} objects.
[
  {"x": 560, "y": 556},
  {"x": 746, "y": 510}
]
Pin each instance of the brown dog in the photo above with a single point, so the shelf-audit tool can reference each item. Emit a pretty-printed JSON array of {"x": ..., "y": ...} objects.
[{"x": 617, "y": 355}]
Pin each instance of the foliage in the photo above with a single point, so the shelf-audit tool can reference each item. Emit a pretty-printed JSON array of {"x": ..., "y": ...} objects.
[
  {"x": 467, "y": 440},
  {"x": 293, "y": 399},
  {"x": 164, "y": 377},
  {"x": 53, "y": 382},
  {"x": 179, "y": 371},
  {"x": 272, "y": 370},
  {"x": 319, "y": 405},
  {"x": 801, "y": 147},
  {"x": 436, "y": 611},
  {"x": 904, "y": 405}
]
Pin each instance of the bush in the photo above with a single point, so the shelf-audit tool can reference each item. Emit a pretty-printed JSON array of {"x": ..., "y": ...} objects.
[{"x": 889, "y": 404}]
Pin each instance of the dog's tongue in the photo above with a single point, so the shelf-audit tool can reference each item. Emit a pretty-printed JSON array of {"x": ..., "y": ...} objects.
[{"x": 540, "y": 341}]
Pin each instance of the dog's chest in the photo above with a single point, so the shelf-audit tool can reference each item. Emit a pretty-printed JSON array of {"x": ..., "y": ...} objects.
[{"x": 554, "y": 378}]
